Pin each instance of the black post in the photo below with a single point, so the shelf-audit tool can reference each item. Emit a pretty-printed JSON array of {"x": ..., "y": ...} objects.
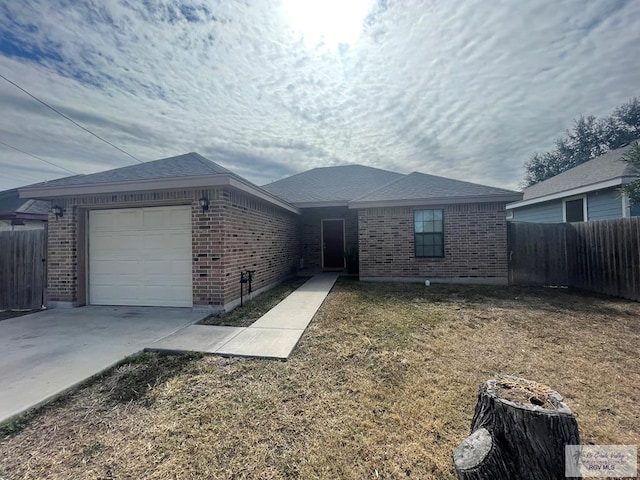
[
  {"x": 242, "y": 282},
  {"x": 250, "y": 273}
]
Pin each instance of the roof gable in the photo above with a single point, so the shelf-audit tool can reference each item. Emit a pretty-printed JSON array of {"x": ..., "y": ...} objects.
[
  {"x": 604, "y": 168},
  {"x": 190, "y": 170},
  {"x": 330, "y": 184},
  {"x": 189, "y": 164},
  {"x": 420, "y": 188}
]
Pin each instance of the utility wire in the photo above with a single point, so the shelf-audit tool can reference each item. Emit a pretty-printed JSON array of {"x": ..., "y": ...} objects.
[
  {"x": 68, "y": 118},
  {"x": 38, "y": 158}
]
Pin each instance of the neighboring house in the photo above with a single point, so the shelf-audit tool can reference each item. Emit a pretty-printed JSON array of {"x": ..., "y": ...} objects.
[
  {"x": 178, "y": 231},
  {"x": 21, "y": 214},
  {"x": 590, "y": 191}
]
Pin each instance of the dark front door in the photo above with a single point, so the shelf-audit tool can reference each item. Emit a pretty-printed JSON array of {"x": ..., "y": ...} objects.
[{"x": 333, "y": 244}]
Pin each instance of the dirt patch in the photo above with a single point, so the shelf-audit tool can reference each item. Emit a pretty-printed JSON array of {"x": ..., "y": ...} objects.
[
  {"x": 255, "y": 308},
  {"x": 382, "y": 385},
  {"x": 134, "y": 379}
]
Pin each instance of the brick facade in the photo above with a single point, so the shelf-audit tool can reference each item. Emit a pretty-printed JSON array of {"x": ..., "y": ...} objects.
[
  {"x": 238, "y": 232},
  {"x": 62, "y": 258},
  {"x": 475, "y": 243},
  {"x": 311, "y": 231}
]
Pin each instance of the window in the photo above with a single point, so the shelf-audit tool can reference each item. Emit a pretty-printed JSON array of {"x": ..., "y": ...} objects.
[
  {"x": 428, "y": 232},
  {"x": 574, "y": 210}
]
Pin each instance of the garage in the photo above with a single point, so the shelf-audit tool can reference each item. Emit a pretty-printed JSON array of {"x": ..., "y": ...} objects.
[{"x": 140, "y": 256}]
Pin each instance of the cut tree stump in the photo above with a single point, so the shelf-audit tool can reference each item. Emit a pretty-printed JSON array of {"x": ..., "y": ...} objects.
[{"x": 519, "y": 431}]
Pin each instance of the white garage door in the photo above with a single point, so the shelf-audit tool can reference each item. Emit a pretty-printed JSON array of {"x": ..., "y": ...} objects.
[{"x": 140, "y": 256}]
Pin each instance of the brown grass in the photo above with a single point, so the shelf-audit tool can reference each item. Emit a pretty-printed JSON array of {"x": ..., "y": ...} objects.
[
  {"x": 253, "y": 309},
  {"x": 383, "y": 385}
]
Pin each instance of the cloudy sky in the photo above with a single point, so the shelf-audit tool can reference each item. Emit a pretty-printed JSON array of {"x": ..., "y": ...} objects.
[{"x": 465, "y": 89}]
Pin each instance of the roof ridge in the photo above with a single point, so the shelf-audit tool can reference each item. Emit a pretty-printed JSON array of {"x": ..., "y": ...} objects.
[
  {"x": 332, "y": 166},
  {"x": 371, "y": 192},
  {"x": 464, "y": 181},
  {"x": 203, "y": 160}
]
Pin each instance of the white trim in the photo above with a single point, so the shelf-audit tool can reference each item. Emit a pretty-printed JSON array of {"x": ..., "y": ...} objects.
[
  {"x": 435, "y": 201},
  {"x": 585, "y": 213},
  {"x": 574, "y": 191},
  {"x": 337, "y": 203},
  {"x": 626, "y": 205},
  {"x": 509, "y": 214},
  {"x": 344, "y": 242}
]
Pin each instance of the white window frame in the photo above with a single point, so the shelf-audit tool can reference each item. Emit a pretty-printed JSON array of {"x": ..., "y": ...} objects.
[{"x": 585, "y": 213}]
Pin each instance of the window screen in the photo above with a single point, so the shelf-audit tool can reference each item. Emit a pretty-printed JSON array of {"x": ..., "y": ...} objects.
[{"x": 428, "y": 231}]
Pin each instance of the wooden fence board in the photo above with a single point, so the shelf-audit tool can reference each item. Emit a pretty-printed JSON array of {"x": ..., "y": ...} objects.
[
  {"x": 602, "y": 256},
  {"x": 22, "y": 269}
]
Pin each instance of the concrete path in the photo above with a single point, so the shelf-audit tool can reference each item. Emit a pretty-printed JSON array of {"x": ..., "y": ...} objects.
[
  {"x": 46, "y": 353},
  {"x": 274, "y": 335}
]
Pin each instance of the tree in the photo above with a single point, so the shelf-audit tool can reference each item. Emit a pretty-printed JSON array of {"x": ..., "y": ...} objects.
[
  {"x": 633, "y": 158},
  {"x": 589, "y": 138}
]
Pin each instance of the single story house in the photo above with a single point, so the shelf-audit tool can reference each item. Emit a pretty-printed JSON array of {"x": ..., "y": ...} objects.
[
  {"x": 590, "y": 191},
  {"x": 21, "y": 213},
  {"x": 178, "y": 231}
]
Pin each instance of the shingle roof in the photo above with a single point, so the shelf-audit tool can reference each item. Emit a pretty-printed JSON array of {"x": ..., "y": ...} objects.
[
  {"x": 421, "y": 186},
  {"x": 601, "y": 169},
  {"x": 189, "y": 164},
  {"x": 330, "y": 184},
  {"x": 10, "y": 202}
]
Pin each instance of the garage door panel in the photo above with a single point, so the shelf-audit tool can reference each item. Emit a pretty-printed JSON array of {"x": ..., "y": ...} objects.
[
  {"x": 128, "y": 219},
  {"x": 126, "y": 243},
  {"x": 179, "y": 268},
  {"x": 140, "y": 257},
  {"x": 180, "y": 220},
  {"x": 158, "y": 219},
  {"x": 102, "y": 220}
]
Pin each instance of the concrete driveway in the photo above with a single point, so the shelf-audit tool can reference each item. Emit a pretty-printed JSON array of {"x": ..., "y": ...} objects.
[{"x": 46, "y": 353}]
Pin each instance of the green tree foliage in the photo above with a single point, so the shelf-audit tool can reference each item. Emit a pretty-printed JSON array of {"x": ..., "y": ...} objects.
[
  {"x": 589, "y": 138},
  {"x": 633, "y": 158}
]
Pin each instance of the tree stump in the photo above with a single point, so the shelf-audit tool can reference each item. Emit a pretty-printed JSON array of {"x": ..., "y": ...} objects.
[{"x": 519, "y": 431}]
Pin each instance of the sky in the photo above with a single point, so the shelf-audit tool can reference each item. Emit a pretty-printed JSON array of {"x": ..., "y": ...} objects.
[{"x": 268, "y": 88}]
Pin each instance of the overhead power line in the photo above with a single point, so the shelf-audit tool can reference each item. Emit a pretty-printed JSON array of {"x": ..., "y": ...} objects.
[
  {"x": 38, "y": 158},
  {"x": 68, "y": 118}
]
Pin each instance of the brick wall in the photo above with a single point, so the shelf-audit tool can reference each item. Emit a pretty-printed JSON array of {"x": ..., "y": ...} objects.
[
  {"x": 207, "y": 248},
  {"x": 62, "y": 261},
  {"x": 236, "y": 233},
  {"x": 311, "y": 231},
  {"x": 475, "y": 243},
  {"x": 260, "y": 237}
]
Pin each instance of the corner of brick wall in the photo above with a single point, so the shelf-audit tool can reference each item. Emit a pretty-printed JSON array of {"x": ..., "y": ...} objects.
[
  {"x": 257, "y": 236},
  {"x": 62, "y": 260}
]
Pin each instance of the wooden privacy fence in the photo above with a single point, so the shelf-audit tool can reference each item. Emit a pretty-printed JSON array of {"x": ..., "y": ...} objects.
[
  {"x": 22, "y": 269},
  {"x": 601, "y": 256}
]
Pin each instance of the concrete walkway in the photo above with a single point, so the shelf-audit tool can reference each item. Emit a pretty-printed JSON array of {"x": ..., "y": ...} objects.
[{"x": 274, "y": 335}]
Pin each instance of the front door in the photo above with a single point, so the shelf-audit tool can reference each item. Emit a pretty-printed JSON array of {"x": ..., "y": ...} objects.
[{"x": 333, "y": 244}]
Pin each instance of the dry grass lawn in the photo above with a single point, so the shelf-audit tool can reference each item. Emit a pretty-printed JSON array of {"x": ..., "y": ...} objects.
[
  {"x": 253, "y": 309},
  {"x": 382, "y": 385}
]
